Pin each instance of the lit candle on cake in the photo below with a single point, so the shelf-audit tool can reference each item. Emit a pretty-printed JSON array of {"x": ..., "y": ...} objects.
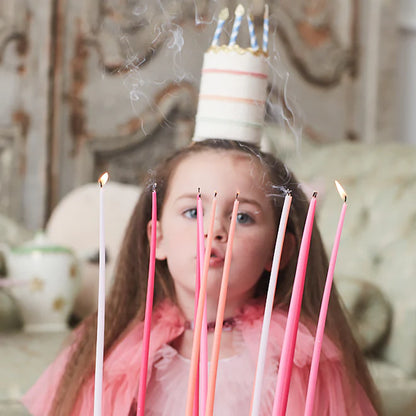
[
  {"x": 289, "y": 340},
  {"x": 266, "y": 28},
  {"x": 261, "y": 360},
  {"x": 193, "y": 370},
  {"x": 99, "y": 349},
  {"x": 253, "y": 39},
  {"x": 324, "y": 308},
  {"x": 223, "y": 16},
  {"x": 220, "y": 312},
  {"x": 239, "y": 13},
  {"x": 149, "y": 307}
]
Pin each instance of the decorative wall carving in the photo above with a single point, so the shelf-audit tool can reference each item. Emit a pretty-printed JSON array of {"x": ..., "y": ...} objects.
[
  {"x": 14, "y": 120},
  {"x": 134, "y": 45},
  {"x": 13, "y": 25},
  {"x": 317, "y": 48},
  {"x": 143, "y": 140}
]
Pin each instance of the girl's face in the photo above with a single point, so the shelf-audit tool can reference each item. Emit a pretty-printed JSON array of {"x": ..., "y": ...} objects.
[{"x": 225, "y": 173}]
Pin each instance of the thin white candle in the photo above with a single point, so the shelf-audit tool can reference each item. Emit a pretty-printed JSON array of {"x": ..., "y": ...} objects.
[
  {"x": 99, "y": 351},
  {"x": 261, "y": 360}
]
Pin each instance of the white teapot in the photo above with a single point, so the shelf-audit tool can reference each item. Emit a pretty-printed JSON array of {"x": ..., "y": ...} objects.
[{"x": 44, "y": 280}]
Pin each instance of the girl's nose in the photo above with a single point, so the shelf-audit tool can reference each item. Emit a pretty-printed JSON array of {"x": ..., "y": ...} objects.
[{"x": 220, "y": 231}]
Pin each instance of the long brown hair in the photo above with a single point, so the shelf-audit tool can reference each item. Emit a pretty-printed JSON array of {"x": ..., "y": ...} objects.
[{"x": 127, "y": 297}]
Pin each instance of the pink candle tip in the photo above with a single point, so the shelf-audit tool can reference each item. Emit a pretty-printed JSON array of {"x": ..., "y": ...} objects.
[{"x": 341, "y": 191}]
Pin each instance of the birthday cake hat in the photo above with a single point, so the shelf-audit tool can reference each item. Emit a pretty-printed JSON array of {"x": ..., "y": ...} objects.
[{"x": 233, "y": 88}]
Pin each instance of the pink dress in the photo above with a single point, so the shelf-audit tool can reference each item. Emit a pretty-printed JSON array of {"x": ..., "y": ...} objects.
[{"x": 168, "y": 373}]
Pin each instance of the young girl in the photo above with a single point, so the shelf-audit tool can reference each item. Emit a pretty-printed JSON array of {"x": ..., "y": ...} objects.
[{"x": 344, "y": 386}]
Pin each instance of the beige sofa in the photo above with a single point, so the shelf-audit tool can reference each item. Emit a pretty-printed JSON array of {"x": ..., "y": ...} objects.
[{"x": 376, "y": 266}]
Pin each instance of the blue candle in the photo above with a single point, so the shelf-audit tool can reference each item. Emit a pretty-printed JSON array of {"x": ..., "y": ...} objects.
[
  {"x": 239, "y": 12},
  {"x": 266, "y": 28},
  {"x": 253, "y": 40},
  {"x": 221, "y": 19}
]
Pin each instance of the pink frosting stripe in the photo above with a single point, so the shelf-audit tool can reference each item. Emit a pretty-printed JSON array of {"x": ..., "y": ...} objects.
[
  {"x": 234, "y": 72},
  {"x": 228, "y": 98}
]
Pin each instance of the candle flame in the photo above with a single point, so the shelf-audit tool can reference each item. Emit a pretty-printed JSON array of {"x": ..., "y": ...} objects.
[
  {"x": 341, "y": 191},
  {"x": 103, "y": 179},
  {"x": 223, "y": 14},
  {"x": 266, "y": 11},
  {"x": 239, "y": 11}
]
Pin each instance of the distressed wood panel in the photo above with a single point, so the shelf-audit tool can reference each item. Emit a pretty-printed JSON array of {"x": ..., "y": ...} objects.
[
  {"x": 11, "y": 165},
  {"x": 24, "y": 108},
  {"x": 126, "y": 88}
]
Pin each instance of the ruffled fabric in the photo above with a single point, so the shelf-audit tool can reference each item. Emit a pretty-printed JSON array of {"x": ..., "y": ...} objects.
[
  {"x": 168, "y": 373},
  {"x": 120, "y": 372},
  {"x": 170, "y": 378}
]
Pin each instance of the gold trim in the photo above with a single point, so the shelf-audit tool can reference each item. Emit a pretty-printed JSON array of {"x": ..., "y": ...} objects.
[{"x": 236, "y": 49}]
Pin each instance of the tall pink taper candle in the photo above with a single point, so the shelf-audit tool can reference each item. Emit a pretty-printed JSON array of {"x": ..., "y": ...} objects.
[
  {"x": 197, "y": 288},
  {"x": 149, "y": 308},
  {"x": 99, "y": 351},
  {"x": 289, "y": 340},
  {"x": 310, "y": 396},
  {"x": 220, "y": 313},
  {"x": 204, "y": 341},
  {"x": 193, "y": 370},
  {"x": 261, "y": 360}
]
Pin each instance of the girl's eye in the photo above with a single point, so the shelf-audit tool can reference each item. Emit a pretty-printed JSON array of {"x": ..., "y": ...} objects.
[
  {"x": 243, "y": 218},
  {"x": 190, "y": 213}
]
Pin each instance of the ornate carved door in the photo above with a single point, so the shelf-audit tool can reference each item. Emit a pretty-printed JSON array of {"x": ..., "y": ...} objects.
[{"x": 25, "y": 39}]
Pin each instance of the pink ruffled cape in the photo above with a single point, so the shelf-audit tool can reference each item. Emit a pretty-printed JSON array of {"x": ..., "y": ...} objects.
[{"x": 168, "y": 373}]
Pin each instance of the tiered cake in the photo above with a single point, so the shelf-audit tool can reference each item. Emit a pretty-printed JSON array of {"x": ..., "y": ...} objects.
[{"x": 233, "y": 94}]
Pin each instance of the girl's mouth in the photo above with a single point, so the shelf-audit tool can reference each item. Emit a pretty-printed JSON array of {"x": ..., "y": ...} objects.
[{"x": 216, "y": 260}]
